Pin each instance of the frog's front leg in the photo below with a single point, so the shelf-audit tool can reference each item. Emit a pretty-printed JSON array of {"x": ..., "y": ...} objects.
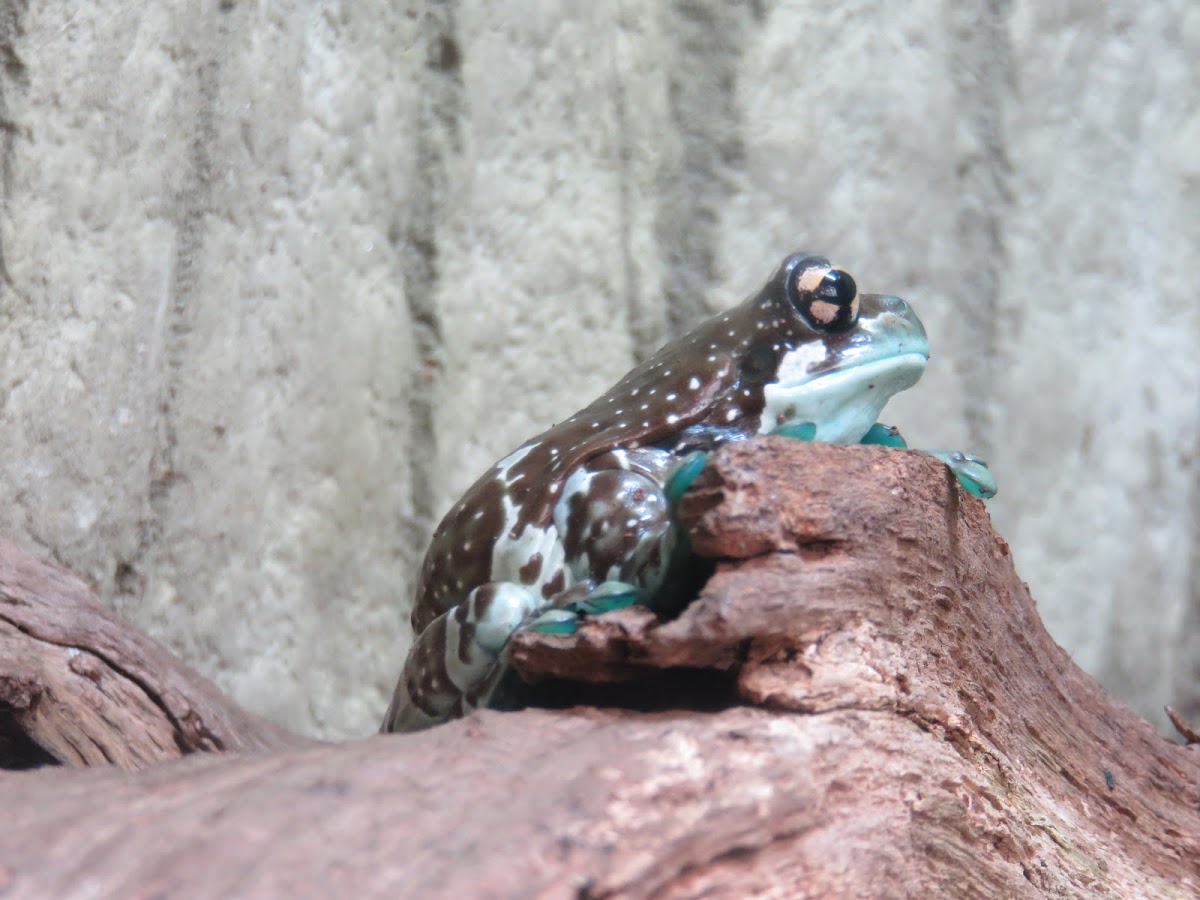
[{"x": 971, "y": 471}]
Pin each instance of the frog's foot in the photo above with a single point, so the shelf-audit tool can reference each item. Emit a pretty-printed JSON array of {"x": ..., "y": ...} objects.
[
  {"x": 555, "y": 621},
  {"x": 801, "y": 431},
  {"x": 606, "y": 597},
  {"x": 971, "y": 471},
  {"x": 682, "y": 476},
  {"x": 564, "y": 618},
  {"x": 454, "y": 664},
  {"x": 884, "y": 436}
]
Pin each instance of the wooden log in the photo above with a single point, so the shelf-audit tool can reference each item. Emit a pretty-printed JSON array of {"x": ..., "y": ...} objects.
[
  {"x": 862, "y": 702},
  {"x": 80, "y": 687}
]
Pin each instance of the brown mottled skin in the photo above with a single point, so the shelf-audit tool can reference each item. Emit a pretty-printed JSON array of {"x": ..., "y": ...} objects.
[
  {"x": 728, "y": 369},
  {"x": 517, "y": 527}
]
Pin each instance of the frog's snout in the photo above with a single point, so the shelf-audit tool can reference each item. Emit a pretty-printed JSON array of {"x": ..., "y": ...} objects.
[
  {"x": 895, "y": 312},
  {"x": 891, "y": 322}
]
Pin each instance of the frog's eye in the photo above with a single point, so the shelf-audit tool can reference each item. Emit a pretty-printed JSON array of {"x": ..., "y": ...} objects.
[{"x": 826, "y": 297}]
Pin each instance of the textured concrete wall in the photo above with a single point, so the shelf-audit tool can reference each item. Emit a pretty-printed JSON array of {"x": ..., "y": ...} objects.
[{"x": 280, "y": 279}]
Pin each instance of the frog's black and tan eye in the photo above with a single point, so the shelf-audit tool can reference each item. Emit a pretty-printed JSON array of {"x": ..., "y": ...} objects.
[{"x": 826, "y": 297}]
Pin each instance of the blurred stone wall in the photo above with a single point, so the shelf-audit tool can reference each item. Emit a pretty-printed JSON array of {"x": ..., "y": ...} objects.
[{"x": 280, "y": 279}]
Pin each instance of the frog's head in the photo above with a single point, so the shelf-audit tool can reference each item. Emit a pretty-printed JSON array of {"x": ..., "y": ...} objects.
[
  {"x": 808, "y": 347},
  {"x": 840, "y": 355}
]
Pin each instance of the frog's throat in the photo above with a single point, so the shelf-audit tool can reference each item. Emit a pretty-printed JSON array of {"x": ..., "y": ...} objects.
[{"x": 845, "y": 402}]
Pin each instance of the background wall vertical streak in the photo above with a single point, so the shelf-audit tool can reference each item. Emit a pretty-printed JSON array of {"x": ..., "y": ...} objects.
[
  {"x": 438, "y": 142},
  {"x": 14, "y": 75},
  {"x": 644, "y": 334},
  {"x": 707, "y": 38},
  {"x": 981, "y": 67},
  {"x": 1187, "y": 676},
  {"x": 190, "y": 208}
]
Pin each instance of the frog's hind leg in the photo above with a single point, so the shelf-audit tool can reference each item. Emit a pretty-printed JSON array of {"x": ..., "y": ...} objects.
[
  {"x": 456, "y": 662},
  {"x": 614, "y": 521}
]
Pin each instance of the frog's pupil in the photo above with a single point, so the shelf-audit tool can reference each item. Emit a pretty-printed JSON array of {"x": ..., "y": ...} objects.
[{"x": 839, "y": 287}]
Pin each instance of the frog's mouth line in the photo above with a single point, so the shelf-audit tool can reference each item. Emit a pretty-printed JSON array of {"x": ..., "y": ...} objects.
[{"x": 844, "y": 402}]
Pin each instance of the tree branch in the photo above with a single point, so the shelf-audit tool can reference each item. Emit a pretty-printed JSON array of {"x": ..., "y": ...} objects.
[
  {"x": 862, "y": 702},
  {"x": 80, "y": 687}
]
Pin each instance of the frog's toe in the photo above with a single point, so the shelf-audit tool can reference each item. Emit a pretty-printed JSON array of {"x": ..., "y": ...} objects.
[
  {"x": 971, "y": 471},
  {"x": 608, "y": 596},
  {"x": 801, "y": 431},
  {"x": 884, "y": 436},
  {"x": 555, "y": 621},
  {"x": 683, "y": 475}
]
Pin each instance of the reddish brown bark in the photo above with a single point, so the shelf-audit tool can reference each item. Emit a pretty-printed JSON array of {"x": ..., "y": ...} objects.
[
  {"x": 80, "y": 687},
  {"x": 862, "y": 702},
  {"x": 1190, "y": 734}
]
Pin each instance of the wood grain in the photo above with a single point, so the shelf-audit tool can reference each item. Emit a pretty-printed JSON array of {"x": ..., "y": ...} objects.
[{"x": 861, "y": 702}]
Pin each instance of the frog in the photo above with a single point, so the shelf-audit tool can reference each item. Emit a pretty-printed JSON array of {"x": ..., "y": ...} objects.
[{"x": 580, "y": 520}]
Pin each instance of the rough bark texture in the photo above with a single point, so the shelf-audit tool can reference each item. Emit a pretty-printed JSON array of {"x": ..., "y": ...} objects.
[
  {"x": 79, "y": 687},
  {"x": 862, "y": 702},
  {"x": 279, "y": 280}
]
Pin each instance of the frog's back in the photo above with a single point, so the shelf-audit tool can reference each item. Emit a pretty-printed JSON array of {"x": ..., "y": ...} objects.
[{"x": 502, "y": 528}]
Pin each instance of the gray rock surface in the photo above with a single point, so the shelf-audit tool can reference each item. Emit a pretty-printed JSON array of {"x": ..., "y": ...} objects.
[{"x": 279, "y": 280}]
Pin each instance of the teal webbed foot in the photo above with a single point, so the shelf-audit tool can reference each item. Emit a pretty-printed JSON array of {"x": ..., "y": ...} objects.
[
  {"x": 555, "y": 621},
  {"x": 881, "y": 435},
  {"x": 971, "y": 471},
  {"x": 605, "y": 597},
  {"x": 682, "y": 476},
  {"x": 801, "y": 431}
]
